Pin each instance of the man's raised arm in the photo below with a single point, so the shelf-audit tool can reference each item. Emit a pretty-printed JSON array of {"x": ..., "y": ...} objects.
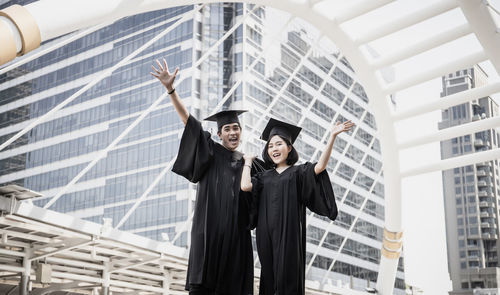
[{"x": 167, "y": 79}]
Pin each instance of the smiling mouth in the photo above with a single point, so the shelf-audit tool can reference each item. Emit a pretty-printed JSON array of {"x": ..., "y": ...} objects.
[
  {"x": 233, "y": 140},
  {"x": 276, "y": 155}
]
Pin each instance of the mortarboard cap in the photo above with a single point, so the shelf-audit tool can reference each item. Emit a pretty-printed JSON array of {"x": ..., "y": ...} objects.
[
  {"x": 277, "y": 127},
  {"x": 225, "y": 117}
]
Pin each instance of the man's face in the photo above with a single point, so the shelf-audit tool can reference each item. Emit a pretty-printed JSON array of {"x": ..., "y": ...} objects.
[{"x": 230, "y": 136}]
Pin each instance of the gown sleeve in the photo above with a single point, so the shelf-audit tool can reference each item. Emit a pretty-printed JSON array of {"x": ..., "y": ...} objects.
[
  {"x": 254, "y": 200},
  {"x": 195, "y": 151},
  {"x": 316, "y": 191}
]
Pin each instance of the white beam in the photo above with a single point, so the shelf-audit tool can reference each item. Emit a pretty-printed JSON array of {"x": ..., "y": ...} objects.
[
  {"x": 448, "y": 101},
  {"x": 117, "y": 269},
  {"x": 66, "y": 248},
  {"x": 479, "y": 17},
  {"x": 12, "y": 253},
  {"x": 406, "y": 20},
  {"x": 142, "y": 274},
  {"x": 361, "y": 7},
  {"x": 33, "y": 225},
  {"x": 63, "y": 242},
  {"x": 12, "y": 268},
  {"x": 443, "y": 69},
  {"x": 41, "y": 52},
  {"x": 451, "y": 132},
  {"x": 74, "y": 262},
  {"x": 425, "y": 45},
  {"x": 450, "y": 163}
]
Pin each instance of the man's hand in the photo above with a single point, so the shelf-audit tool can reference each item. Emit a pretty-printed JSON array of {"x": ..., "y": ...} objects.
[{"x": 166, "y": 78}]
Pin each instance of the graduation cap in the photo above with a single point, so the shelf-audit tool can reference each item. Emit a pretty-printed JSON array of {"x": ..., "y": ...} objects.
[
  {"x": 283, "y": 129},
  {"x": 225, "y": 117}
]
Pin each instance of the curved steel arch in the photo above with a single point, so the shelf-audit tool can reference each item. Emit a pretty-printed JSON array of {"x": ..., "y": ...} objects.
[{"x": 22, "y": 29}]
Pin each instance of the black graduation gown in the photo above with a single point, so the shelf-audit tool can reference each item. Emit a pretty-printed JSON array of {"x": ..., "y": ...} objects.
[
  {"x": 281, "y": 223},
  {"x": 221, "y": 256}
]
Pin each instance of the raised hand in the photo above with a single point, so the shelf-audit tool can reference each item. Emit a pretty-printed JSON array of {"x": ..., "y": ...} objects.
[
  {"x": 342, "y": 127},
  {"x": 166, "y": 78},
  {"x": 248, "y": 158}
]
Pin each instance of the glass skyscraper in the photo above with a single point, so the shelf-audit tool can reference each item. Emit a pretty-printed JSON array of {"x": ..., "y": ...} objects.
[
  {"x": 471, "y": 193},
  {"x": 296, "y": 75}
]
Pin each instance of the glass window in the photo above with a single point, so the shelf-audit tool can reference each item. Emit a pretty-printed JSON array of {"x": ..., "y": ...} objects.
[
  {"x": 360, "y": 91},
  {"x": 372, "y": 164},
  {"x": 353, "y": 108},
  {"x": 339, "y": 145},
  {"x": 355, "y": 153},
  {"x": 354, "y": 200},
  {"x": 364, "y": 181},
  {"x": 345, "y": 172},
  {"x": 333, "y": 94},
  {"x": 370, "y": 120},
  {"x": 310, "y": 77},
  {"x": 323, "y": 110},
  {"x": 363, "y": 136},
  {"x": 301, "y": 96},
  {"x": 313, "y": 129},
  {"x": 343, "y": 78}
]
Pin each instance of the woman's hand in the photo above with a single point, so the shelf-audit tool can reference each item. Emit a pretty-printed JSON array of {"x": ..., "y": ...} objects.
[
  {"x": 325, "y": 156},
  {"x": 246, "y": 180},
  {"x": 248, "y": 158},
  {"x": 342, "y": 127},
  {"x": 166, "y": 78}
]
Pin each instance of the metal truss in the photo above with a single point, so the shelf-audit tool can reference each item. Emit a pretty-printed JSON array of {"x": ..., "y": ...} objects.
[{"x": 83, "y": 256}]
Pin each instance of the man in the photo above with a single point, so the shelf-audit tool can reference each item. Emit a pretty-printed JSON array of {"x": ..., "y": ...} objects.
[{"x": 221, "y": 257}]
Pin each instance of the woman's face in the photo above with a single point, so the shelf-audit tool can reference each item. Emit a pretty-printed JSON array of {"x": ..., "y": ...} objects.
[{"x": 278, "y": 150}]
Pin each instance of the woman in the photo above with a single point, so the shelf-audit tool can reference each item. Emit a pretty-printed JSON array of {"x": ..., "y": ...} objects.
[{"x": 281, "y": 196}]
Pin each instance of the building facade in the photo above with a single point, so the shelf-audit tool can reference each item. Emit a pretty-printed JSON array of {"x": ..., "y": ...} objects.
[
  {"x": 271, "y": 65},
  {"x": 471, "y": 193}
]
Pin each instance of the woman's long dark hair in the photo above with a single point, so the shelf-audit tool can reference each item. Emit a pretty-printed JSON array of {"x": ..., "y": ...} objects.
[{"x": 292, "y": 158}]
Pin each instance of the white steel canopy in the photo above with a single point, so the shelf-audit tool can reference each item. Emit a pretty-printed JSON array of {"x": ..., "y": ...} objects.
[
  {"x": 81, "y": 256},
  {"x": 22, "y": 29}
]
